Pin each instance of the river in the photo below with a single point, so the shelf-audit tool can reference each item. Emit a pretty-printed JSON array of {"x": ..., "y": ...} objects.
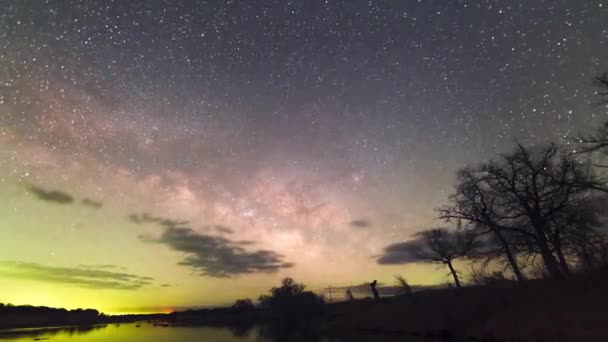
[{"x": 148, "y": 332}]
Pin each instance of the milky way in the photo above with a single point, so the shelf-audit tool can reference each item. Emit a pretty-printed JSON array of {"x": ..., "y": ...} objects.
[{"x": 187, "y": 144}]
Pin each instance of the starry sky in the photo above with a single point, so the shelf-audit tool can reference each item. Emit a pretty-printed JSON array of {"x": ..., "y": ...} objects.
[{"x": 164, "y": 154}]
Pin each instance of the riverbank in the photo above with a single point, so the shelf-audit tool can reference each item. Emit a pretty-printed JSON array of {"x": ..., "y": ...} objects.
[{"x": 535, "y": 310}]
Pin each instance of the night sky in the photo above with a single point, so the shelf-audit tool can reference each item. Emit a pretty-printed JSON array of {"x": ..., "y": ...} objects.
[{"x": 157, "y": 155}]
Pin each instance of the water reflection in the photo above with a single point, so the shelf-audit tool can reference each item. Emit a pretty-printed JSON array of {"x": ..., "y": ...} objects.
[
  {"x": 156, "y": 333},
  {"x": 126, "y": 333},
  {"x": 38, "y": 334}
]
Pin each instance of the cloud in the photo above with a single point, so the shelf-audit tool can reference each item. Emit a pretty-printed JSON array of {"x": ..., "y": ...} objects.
[
  {"x": 165, "y": 285},
  {"x": 54, "y": 196},
  {"x": 93, "y": 278},
  {"x": 360, "y": 223},
  {"x": 61, "y": 197},
  {"x": 424, "y": 246},
  {"x": 216, "y": 256},
  {"x": 102, "y": 266},
  {"x": 144, "y": 218},
  {"x": 223, "y": 229},
  {"x": 91, "y": 203},
  {"x": 402, "y": 253}
]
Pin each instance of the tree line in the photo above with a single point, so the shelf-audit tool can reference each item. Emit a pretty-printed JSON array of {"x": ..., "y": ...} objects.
[{"x": 27, "y": 316}]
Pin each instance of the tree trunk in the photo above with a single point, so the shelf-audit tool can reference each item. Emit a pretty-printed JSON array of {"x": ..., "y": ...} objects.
[
  {"x": 510, "y": 257},
  {"x": 551, "y": 264},
  {"x": 560, "y": 254},
  {"x": 454, "y": 274},
  {"x": 513, "y": 263},
  {"x": 549, "y": 260},
  {"x": 563, "y": 262},
  {"x": 585, "y": 256}
]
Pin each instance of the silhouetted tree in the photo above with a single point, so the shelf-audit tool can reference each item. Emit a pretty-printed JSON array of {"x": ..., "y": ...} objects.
[
  {"x": 601, "y": 81},
  {"x": 438, "y": 245},
  {"x": 12, "y": 316},
  {"x": 522, "y": 195},
  {"x": 288, "y": 288},
  {"x": 598, "y": 141},
  {"x": 290, "y": 302},
  {"x": 583, "y": 237},
  {"x": 594, "y": 143},
  {"x": 444, "y": 246},
  {"x": 243, "y": 305},
  {"x": 477, "y": 203}
]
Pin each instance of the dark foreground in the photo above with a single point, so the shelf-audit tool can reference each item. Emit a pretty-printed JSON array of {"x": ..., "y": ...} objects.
[
  {"x": 536, "y": 311},
  {"x": 539, "y": 310}
]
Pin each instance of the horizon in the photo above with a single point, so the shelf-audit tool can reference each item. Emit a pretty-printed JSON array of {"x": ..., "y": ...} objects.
[
  {"x": 361, "y": 291},
  {"x": 187, "y": 156}
]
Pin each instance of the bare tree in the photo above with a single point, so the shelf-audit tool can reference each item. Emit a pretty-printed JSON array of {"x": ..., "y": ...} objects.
[
  {"x": 437, "y": 245},
  {"x": 583, "y": 238},
  {"x": 522, "y": 195},
  {"x": 445, "y": 246},
  {"x": 594, "y": 143},
  {"x": 602, "y": 82},
  {"x": 598, "y": 141},
  {"x": 475, "y": 202}
]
